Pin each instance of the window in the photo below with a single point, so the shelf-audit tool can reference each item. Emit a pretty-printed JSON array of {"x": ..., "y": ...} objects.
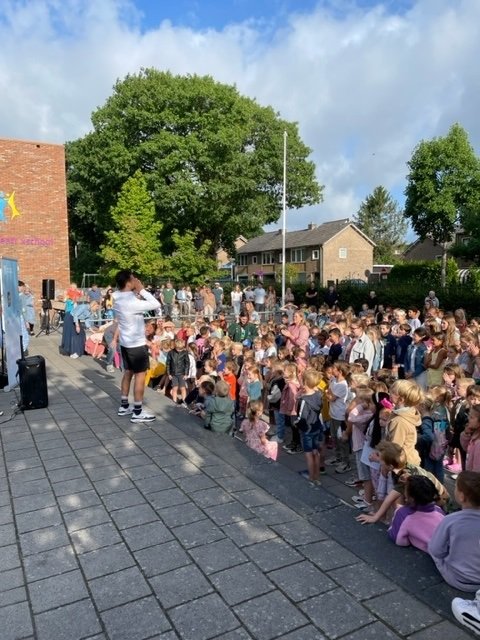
[
  {"x": 254, "y": 259},
  {"x": 280, "y": 258},
  {"x": 315, "y": 254},
  {"x": 267, "y": 258},
  {"x": 242, "y": 260},
  {"x": 343, "y": 253},
  {"x": 297, "y": 255}
]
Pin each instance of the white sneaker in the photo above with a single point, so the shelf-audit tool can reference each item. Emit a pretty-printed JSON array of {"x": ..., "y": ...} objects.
[
  {"x": 74, "y": 355},
  {"x": 331, "y": 462},
  {"x": 467, "y": 612},
  {"x": 110, "y": 368},
  {"x": 184, "y": 405},
  {"x": 276, "y": 439},
  {"x": 125, "y": 411},
  {"x": 343, "y": 468},
  {"x": 142, "y": 417}
]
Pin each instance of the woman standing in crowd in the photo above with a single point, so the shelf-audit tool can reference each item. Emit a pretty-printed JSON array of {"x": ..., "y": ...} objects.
[{"x": 236, "y": 297}]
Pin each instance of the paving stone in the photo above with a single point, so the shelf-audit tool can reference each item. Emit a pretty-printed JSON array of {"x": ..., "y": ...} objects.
[
  {"x": 237, "y": 634},
  {"x": 25, "y": 463},
  {"x": 181, "y": 514},
  {"x": 72, "y": 486},
  {"x": 7, "y": 534},
  {"x": 33, "y": 503},
  {"x": 50, "y": 563},
  {"x": 299, "y": 532},
  {"x": 376, "y": 631},
  {"x": 276, "y": 513},
  {"x": 76, "y": 501},
  {"x": 43, "y": 539},
  {"x": 248, "y": 532},
  {"x": 146, "y": 535},
  {"x": 135, "y": 460},
  {"x": 241, "y": 583},
  {"x": 211, "y": 497},
  {"x": 203, "y": 619},
  {"x": 71, "y": 622},
  {"x": 224, "y": 514},
  {"x": 12, "y": 596},
  {"x": 26, "y": 475},
  {"x": 60, "y": 463},
  {"x": 145, "y": 471},
  {"x": 32, "y": 488},
  {"x": 101, "y": 535},
  {"x": 66, "y": 473},
  {"x": 136, "y": 621},
  {"x": 112, "y": 485},
  {"x": 181, "y": 469},
  {"x": 198, "y": 533},
  {"x": 131, "y": 516},
  {"x": 154, "y": 484},
  {"x": 402, "y": 612},
  {"x": 217, "y": 556},
  {"x": 305, "y": 633},
  {"x": 47, "y": 517},
  {"x": 362, "y": 581},
  {"x": 220, "y": 470},
  {"x": 118, "y": 588},
  {"x": 4, "y": 498},
  {"x": 123, "y": 499},
  {"x": 442, "y": 631},
  {"x": 324, "y": 612},
  {"x": 16, "y": 622},
  {"x": 329, "y": 554},
  {"x": 167, "y": 498},
  {"x": 161, "y": 558},
  {"x": 56, "y": 591},
  {"x": 107, "y": 560},
  {"x": 58, "y": 452},
  {"x": 197, "y": 482},
  {"x": 301, "y": 581},
  {"x": 273, "y": 554},
  {"x": 105, "y": 471},
  {"x": 14, "y": 456},
  {"x": 270, "y": 615},
  {"x": 179, "y": 586},
  {"x": 11, "y": 579},
  {"x": 254, "y": 497}
]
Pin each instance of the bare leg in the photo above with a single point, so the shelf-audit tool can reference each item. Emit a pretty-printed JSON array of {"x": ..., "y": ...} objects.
[
  {"x": 174, "y": 394},
  {"x": 126, "y": 381},
  {"x": 139, "y": 387}
]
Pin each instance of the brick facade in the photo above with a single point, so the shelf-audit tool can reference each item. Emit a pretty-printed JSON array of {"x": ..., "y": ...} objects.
[
  {"x": 37, "y": 236},
  {"x": 358, "y": 260}
]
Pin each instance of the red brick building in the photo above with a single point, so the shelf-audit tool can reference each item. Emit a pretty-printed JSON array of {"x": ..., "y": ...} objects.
[{"x": 33, "y": 212}]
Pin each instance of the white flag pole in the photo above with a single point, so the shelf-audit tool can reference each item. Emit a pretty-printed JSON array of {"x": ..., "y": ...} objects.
[{"x": 284, "y": 206}]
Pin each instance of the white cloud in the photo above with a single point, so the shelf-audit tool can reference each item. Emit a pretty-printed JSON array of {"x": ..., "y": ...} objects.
[{"x": 364, "y": 85}]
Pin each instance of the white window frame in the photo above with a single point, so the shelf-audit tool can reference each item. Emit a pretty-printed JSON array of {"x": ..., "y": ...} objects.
[
  {"x": 242, "y": 260},
  {"x": 268, "y": 257},
  {"x": 343, "y": 253},
  {"x": 254, "y": 259},
  {"x": 294, "y": 256},
  {"x": 315, "y": 254}
]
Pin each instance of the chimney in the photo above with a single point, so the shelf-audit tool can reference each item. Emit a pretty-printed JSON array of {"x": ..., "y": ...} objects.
[{"x": 312, "y": 226}]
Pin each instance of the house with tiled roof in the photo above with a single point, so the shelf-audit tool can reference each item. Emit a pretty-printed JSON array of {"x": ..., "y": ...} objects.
[{"x": 324, "y": 253}]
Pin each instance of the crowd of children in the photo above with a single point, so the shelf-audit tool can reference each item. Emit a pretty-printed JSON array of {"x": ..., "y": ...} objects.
[{"x": 391, "y": 395}]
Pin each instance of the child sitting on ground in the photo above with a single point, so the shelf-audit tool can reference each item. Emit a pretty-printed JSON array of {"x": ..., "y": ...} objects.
[
  {"x": 219, "y": 412},
  {"x": 255, "y": 430},
  {"x": 454, "y": 546},
  {"x": 415, "y": 523}
]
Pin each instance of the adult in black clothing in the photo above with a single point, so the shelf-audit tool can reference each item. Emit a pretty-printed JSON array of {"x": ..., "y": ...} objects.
[
  {"x": 372, "y": 301},
  {"x": 331, "y": 297},
  {"x": 389, "y": 345},
  {"x": 311, "y": 295},
  {"x": 336, "y": 348}
]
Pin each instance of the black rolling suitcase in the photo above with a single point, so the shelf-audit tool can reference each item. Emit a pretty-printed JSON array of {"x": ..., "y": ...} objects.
[{"x": 32, "y": 376}]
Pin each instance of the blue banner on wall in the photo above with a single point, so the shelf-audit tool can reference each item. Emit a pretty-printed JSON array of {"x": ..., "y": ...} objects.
[{"x": 11, "y": 317}]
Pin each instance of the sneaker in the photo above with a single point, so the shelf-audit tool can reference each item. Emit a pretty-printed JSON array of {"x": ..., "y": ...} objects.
[
  {"x": 110, "y": 368},
  {"x": 184, "y": 405},
  {"x": 287, "y": 447},
  {"x": 358, "y": 499},
  {"x": 353, "y": 482},
  {"x": 277, "y": 439},
  {"x": 74, "y": 355},
  {"x": 125, "y": 411},
  {"x": 142, "y": 417},
  {"x": 343, "y": 468},
  {"x": 332, "y": 461},
  {"x": 467, "y": 612}
]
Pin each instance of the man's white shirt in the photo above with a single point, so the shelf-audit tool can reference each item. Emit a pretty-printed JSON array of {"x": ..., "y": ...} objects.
[{"x": 128, "y": 312}]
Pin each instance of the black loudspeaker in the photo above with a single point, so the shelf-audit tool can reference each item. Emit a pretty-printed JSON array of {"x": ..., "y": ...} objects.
[
  {"x": 48, "y": 289},
  {"x": 32, "y": 375}
]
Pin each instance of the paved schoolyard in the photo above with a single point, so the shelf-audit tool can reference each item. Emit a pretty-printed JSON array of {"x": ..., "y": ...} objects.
[{"x": 112, "y": 530}]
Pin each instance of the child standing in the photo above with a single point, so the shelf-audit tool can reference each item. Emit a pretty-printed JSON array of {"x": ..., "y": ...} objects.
[
  {"x": 440, "y": 414},
  {"x": 288, "y": 402},
  {"x": 230, "y": 377},
  {"x": 309, "y": 423},
  {"x": 470, "y": 440},
  {"x": 178, "y": 366},
  {"x": 406, "y": 395},
  {"x": 338, "y": 395},
  {"x": 415, "y": 523},
  {"x": 361, "y": 412},
  {"x": 274, "y": 389},
  {"x": 255, "y": 430},
  {"x": 254, "y": 384},
  {"x": 454, "y": 546}
]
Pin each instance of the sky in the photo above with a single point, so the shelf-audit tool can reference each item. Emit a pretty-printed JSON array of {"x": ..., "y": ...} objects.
[{"x": 365, "y": 80}]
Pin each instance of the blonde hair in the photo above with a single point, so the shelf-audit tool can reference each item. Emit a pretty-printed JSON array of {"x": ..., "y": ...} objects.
[
  {"x": 410, "y": 392},
  {"x": 290, "y": 370},
  {"x": 359, "y": 380},
  {"x": 222, "y": 389},
  {"x": 311, "y": 378}
]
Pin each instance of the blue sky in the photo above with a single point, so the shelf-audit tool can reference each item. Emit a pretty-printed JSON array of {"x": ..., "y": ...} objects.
[{"x": 364, "y": 80}]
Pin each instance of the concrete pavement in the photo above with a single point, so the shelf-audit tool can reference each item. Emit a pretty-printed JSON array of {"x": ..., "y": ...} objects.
[{"x": 112, "y": 530}]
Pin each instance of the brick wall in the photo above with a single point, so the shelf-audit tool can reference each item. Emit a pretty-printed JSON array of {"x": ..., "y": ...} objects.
[
  {"x": 38, "y": 236},
  {"x": 359, "y": 259}
]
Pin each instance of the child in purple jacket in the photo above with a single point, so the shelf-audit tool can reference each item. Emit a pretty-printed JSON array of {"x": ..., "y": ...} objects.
[{"x": 415, "y": 523}]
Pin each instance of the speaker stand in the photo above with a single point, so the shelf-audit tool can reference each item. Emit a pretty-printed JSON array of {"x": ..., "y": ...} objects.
[{"x": 47, "y": 327}]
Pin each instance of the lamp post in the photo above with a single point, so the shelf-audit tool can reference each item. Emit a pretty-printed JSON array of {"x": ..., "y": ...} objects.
[{"x": 284, "y": 219}]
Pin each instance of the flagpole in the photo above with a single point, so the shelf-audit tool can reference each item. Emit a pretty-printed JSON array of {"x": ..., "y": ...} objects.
[{"x": 284, "y": 207}]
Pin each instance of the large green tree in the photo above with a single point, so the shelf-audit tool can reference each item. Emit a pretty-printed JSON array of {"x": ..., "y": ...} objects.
[
  {"x": 190, "y": 262},
  {"x": 133, "y": 241},
  {"x": 381, "y": 219},
  {"x": 443, "y": 188},
  {"x": 212, "y": 159}
]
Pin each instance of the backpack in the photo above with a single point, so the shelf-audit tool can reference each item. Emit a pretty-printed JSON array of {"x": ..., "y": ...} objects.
[
  {"x": 440, "y": 442},
  {"x": 309, "y": 413}
]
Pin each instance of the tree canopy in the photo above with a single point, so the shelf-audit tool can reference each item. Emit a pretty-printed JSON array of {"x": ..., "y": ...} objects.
[
  {"x": 381, "y": 219},
  {"x": 212, "y": 159},
  {"x": 190, "y": 262},
  {"x": 133, "y": 242}
]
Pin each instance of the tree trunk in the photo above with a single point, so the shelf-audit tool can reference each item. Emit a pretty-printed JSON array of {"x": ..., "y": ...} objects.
[{"x": 443, "y": 276}]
